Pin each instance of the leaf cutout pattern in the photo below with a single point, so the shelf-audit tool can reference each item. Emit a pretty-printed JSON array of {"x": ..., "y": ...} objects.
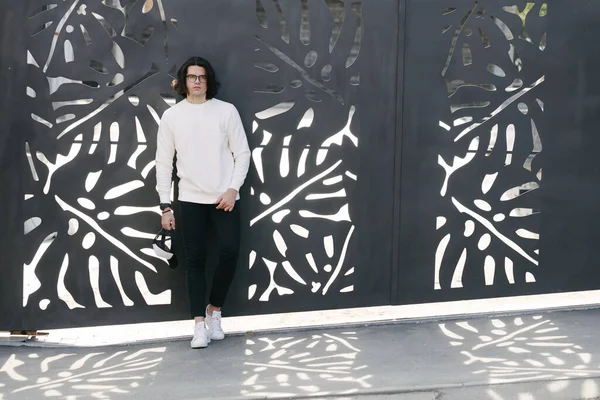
[
  {"x": 505, "y": 171},
  {"x": 316, "y": 166},
  {"x": 94, "y": 154}
]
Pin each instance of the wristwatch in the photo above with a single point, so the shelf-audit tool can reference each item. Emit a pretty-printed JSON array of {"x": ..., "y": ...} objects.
[{"x": 163, "y": 206}]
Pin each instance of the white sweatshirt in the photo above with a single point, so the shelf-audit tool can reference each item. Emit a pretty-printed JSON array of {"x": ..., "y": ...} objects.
[{"x": 212, "y": 151}]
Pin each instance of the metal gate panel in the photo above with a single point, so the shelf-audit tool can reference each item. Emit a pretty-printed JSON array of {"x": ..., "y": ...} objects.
[
  {"x": 93, "y": 80},
  {"x": 492, "y": 192},
  {"x": 12, "y": 164},
  {"x": 571, "y": 193},
  {"x": 403, "y": 152},
  {"x": 321, "y": 190}
]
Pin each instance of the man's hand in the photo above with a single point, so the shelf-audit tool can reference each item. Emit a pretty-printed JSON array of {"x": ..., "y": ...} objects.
[
  {"x": 168, "y": 220},
  {"x": 226, "y": 201}
]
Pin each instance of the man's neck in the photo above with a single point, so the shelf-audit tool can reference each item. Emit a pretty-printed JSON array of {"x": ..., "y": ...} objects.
[{"x": 196, "y": 99}]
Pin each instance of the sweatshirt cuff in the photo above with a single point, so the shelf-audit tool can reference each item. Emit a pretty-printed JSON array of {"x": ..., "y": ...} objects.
[
  {"x": 165, "y": 198},
  {"x": 235, "y": 186}
]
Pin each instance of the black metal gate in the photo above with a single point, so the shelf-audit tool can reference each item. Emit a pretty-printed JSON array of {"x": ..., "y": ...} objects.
[
  {"x": 403, "y": 152},
  {"x": 500, "y": 178}
]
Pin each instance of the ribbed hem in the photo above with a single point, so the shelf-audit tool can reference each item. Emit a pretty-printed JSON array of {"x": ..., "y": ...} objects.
[{"x": 200, "y": 198}]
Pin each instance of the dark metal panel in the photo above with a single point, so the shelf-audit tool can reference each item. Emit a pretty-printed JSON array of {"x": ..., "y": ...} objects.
[
  {"x": 473, "y": 133},
  {"x": 98, "y": 78},
  {"x": 326, "y": 160},
  {"x": 97, "y": 134},
  {"x": 571, "y": 190},
  {"x": 12, "y": 162},
  {"x": 472, "y": 238},
  {"x": 422, "y": 173},
  {"x": 398, "y": 145}
]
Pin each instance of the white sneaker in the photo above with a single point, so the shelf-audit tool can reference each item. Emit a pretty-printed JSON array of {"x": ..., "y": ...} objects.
[
  {"x": 213, "y": 323},
  {"x": 201, "y": 338}
]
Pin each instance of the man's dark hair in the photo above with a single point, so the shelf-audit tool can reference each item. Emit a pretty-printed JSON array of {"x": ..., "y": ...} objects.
[{"x": 212, "y": 84}]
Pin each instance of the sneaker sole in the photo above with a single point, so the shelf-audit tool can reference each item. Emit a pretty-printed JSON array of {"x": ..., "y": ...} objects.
[
  {"x": 211, "y": 336},
  {"x": 200, "y": 347}
]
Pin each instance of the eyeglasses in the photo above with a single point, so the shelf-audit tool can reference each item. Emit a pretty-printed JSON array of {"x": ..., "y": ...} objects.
[{"x": 191, "y": 78}]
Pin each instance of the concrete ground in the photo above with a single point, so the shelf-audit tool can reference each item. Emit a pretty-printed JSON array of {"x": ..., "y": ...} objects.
[{"x": 550, "y": 355}]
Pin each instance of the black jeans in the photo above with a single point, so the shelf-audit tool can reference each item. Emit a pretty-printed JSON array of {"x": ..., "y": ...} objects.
[{"x": 194, "y": 228}]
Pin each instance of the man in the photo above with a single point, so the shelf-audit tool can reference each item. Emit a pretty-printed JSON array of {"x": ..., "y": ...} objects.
[{"x": 212, "y": 162}]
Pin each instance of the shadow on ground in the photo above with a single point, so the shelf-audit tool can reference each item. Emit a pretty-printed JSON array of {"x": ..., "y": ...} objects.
[{"x": 527, "y": 357}]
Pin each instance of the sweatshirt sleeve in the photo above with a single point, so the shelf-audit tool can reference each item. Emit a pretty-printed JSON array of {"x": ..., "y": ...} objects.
[
  {"x": 165, "y": 151},
  {"x": 238, "y": 145}
]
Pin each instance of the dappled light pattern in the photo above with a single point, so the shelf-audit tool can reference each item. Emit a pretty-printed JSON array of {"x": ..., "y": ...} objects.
[
  {"x": 99, "y": 374},
  {"x": 306, "y": 366},
  {"x": 521, "y": 349}
]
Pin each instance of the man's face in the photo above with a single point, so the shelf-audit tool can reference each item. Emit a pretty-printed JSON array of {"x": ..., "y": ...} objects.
[{"x": 196, "y": 80}]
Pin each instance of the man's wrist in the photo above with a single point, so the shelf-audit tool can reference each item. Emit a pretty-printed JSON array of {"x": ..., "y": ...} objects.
[
  {"x": 164, "y": 206},
  {"x": 233, "y": 190}
]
